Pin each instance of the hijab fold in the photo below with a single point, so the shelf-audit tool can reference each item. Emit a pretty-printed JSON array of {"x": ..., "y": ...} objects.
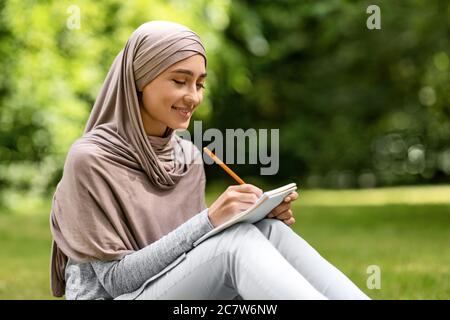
[{"x": 122, "y": 189}]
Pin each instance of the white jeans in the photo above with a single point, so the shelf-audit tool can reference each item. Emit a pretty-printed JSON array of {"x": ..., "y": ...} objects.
[{"x": 266, "y": 260}]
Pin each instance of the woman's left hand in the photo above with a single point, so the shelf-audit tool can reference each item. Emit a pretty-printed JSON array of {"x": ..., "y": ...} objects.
[{"x": 283, "y": 210}]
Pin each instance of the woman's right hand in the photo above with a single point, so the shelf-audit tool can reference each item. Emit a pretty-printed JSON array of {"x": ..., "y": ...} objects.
[{"x": 234, "y": 200}]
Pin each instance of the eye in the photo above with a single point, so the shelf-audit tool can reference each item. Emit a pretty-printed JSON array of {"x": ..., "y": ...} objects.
[
  {"x": 179, "y": 82},
  {"x": 199, "y": 85}
]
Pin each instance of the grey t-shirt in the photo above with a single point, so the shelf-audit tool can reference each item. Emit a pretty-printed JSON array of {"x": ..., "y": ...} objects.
[{"x": 110, "y": 279}]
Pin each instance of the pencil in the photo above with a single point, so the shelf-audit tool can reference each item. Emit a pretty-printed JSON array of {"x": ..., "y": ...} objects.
[{"x": 223, "y": 166}]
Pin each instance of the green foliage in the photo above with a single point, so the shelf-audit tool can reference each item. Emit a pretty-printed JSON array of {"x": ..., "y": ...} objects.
[
  {"x": 54, "y": 72},
  {"x": 355, "y": 107}
]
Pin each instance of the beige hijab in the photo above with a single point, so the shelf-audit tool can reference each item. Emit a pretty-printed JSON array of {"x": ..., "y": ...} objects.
[{"x": 122, "y": 189}]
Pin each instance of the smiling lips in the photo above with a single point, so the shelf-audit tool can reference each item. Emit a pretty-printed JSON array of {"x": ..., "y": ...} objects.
[{"x": 185, "y": 113}]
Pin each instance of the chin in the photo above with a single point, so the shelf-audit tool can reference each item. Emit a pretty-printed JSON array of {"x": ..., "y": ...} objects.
[{"x": 180, "y": 126}]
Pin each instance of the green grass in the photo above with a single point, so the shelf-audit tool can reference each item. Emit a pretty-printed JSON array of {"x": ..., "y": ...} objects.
[
  {"x": 25, "y": 243},
  {"x": 408, "y": 242}
]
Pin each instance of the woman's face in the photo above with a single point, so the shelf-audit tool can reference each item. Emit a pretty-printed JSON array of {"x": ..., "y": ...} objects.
[{"x": 170, "y": 99}]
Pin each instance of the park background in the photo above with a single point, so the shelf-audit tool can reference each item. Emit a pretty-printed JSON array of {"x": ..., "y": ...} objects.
[{"x": 364, "y": 120}]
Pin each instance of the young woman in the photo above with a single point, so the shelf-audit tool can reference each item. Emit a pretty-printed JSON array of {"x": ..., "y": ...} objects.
[{"x": 131, "y": 202}]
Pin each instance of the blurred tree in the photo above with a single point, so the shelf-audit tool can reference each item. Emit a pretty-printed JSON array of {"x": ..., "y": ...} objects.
[
  {"x": 338, "y": 91},
  {"x": 52, "y": 72},
  {"x": 355, "y": 107}
]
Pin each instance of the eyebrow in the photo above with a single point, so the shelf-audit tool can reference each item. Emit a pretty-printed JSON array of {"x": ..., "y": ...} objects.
[{"x": 189, "y": 72}]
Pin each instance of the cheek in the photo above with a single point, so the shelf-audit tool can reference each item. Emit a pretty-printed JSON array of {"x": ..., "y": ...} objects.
[
  {"x": 158, "y": 100},
  {"x": 149, "y": 103},
  {"x": 155, "y": 103}
]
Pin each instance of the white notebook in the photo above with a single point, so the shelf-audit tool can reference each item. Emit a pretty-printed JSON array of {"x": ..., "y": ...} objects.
[{"x": 261, "y": 208}]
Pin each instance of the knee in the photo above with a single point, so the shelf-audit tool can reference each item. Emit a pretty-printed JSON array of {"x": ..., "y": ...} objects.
[
  {"x": 268, "y": 227},
  {"x": 239, "y": 237},
  {"x": 240, "y": 231}
]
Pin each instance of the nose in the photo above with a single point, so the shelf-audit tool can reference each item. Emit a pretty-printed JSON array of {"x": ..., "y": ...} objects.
[{"x": 192, "y": 99}]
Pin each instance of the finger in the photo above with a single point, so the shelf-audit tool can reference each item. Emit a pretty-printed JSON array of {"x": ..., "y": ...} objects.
[
  {"x": 281, "y": 208},
  {"x": 291, "y": 197},
  {"x": 285, "y": 215},
  {"x": 247, "y": 197},
  {"x": 289, "y": 221},
  {"x": 271, "y": 214},
  {"x": 248, "y": 188},
  {"x": 243, "y": 206},
  {"x": 294, "y": 196}
]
